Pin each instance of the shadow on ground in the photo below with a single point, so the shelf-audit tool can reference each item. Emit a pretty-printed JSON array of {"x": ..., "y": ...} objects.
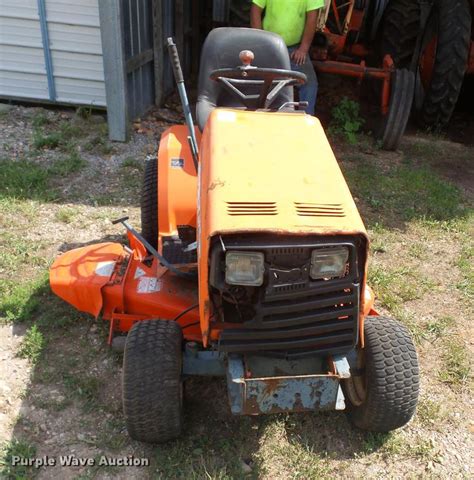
[{"x": 72, "y": 405}]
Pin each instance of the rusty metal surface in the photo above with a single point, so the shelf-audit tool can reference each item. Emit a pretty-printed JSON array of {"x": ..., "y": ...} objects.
[{"x": 265, "y": 395}]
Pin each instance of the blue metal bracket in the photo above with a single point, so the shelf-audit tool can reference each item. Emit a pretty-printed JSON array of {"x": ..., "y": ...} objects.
[
  {"x": 295, "y": 393},
  {"x": 46, "y": 49}
]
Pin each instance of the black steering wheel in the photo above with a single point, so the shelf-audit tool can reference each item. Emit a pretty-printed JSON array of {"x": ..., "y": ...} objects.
[{"x": 270, "y": 80}]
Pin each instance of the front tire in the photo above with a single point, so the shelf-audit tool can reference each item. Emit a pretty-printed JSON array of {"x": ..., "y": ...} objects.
[
  {"x": 151, "y": 383},
  {"x": 382, "y": 392}
]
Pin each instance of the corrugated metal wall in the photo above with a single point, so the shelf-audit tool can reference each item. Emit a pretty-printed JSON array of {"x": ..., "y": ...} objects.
[
  {"x": 22, "y": 64},
  {"x": 70, "y": 41}
]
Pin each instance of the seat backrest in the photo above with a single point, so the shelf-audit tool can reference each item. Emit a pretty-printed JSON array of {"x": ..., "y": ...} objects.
[{"x": 221, "y": 50}]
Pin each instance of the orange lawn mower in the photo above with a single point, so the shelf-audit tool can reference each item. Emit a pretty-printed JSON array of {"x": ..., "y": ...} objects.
[{"x": 251, "y": 264}]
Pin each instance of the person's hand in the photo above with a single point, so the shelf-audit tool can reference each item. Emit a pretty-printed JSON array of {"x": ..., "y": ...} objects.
[{"x": 299, "y": 56}]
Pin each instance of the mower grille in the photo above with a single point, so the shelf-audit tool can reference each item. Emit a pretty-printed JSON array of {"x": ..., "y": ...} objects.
[
  {"x": 319, "y": 210},
  {"x": 251, "y": 208},
  {"x": 303, "y": 317}
]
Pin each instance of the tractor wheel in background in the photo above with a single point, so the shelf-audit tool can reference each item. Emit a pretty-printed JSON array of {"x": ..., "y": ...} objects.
[
  {"x": 151, "y": 384},
  {"x": 149, "y": 202},
  {"x": 401, "y": 100},
  {"x": 443, "y": 61},
  {"x": 382, "y": 392},
  {"x": 400, "y": 31}
]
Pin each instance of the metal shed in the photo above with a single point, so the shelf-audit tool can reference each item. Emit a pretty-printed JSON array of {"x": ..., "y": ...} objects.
[
  {"x": 50, "y": 50},
  {"x": 101, "y": 53}
]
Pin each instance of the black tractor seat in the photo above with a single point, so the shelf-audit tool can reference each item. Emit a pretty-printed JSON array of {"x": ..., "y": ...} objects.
[{"x": 221, "y": 50}]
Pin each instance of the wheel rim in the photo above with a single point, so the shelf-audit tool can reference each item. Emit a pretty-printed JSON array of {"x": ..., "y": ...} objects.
[{"x": 356, "y": 385}]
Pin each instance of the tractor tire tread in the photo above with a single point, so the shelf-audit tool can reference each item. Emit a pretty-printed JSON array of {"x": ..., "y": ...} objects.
[
  {"x": 401, "y": 99},
  {"x": 151, "y": 381},
  {"x": 400, "y": 31},
  {"x": 454, "y": 37},
  {"x": 392, "y": 375},
  {"x": 149, "y": 202}
]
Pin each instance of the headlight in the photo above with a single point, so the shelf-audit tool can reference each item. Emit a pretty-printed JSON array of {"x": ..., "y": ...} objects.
[
  {"x": 244, "y": 268},
  {"x": 328, "y": 262}
]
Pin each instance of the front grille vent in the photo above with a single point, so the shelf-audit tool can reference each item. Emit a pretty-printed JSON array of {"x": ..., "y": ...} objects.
[
  {"x": 319, "y": 210},
  {"x": 251, "y": 208}
]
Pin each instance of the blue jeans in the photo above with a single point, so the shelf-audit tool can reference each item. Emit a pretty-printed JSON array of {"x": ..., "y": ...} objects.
[{"x": 309, "y": 91}]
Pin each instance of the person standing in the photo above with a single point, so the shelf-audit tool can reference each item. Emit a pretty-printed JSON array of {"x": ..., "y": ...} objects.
[{"x": 295, "y": 21}]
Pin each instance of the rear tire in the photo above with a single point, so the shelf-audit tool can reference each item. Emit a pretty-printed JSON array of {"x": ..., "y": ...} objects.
[
  {"x": 149, "y": 202},
  {"x": 151, "y": 382},
  {"x": 400, "y": 30},
  {"x": 450, "y": 23},
  {"x": 383, "y": 391},
  {"x": 453, "y": 18}
]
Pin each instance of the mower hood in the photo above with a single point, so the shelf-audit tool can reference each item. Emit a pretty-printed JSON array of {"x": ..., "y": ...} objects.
[{"x": 272, "y": 172}]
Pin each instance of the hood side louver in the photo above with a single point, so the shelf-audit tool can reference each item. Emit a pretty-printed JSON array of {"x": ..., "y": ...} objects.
[
  {"x": 251, "y": 208},
  {"x": 319, "y": 210}
]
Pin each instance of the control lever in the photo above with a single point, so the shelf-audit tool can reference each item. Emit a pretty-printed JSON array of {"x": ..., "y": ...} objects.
[{"x": 151, "y": 249}]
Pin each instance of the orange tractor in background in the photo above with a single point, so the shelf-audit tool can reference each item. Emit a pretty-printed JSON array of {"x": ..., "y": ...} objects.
[
  {"x": 435, "y": 40},
  {"x": 251, "y": 264},
  {"x": 415, "y": 53}
]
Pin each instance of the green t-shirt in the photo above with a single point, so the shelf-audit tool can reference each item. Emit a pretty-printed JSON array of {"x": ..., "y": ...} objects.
[{"x": 287, "y": 17}]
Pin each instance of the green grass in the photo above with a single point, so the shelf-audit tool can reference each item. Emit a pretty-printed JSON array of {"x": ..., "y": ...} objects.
[
  {"x": 465, "y": 264},
  {"x": 456, "y": 368},
  {"x": 40, "y": 120},
  {"x": 82, "y": 387},
  {"x": 132, "y": 162},
  {"x": 67, "y": 165},
  {"x": 20, "y": 300},
  {"x": 405, "y": 192},
  {"x": 67, "y": 214},
  {"x": 428, "y": 412},
  {"x": 396, "y": 286},
  {"x": 62, "y": 137},
  {"x": 440, "y": 326},
  {"x": 17, "y": 252},
  {"x": 19, "y": 448},
  {"x": 24, "y": 180},
  {"x": 396, "y": 444},
  {"x": 32, "y": 344}
]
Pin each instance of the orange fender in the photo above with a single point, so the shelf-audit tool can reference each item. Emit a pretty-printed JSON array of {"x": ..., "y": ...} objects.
[{"x": 78, "y": 276}]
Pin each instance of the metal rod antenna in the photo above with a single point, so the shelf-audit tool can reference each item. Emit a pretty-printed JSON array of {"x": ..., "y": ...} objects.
[{"x": 178, "y": 75}]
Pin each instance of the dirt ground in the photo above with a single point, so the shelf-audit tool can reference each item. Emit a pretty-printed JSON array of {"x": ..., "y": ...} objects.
[{"x": 61, "y": 184}]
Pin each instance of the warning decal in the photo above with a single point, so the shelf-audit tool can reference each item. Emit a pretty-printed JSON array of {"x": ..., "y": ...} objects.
[{"x": 148, "y": 285}]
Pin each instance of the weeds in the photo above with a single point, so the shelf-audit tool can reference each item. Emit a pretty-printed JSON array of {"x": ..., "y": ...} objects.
[
  {"x": 16, "y": 252},
  {"x": 18, "y": 302},
  {"x": 428, "y": 412},
  {"x": 32, "y": 344},
  {"x": 465, "y": 264},
  {"x": 84, "y": 388},
  {"x": 132, "y": 162},
  {"x": 63, "y": 167},
  {"x": 16, "y": 448},
  {"x": 456, "y": 369},
  {"x": 346, "y": 120},
  {"x": 66, "y": 215}
]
